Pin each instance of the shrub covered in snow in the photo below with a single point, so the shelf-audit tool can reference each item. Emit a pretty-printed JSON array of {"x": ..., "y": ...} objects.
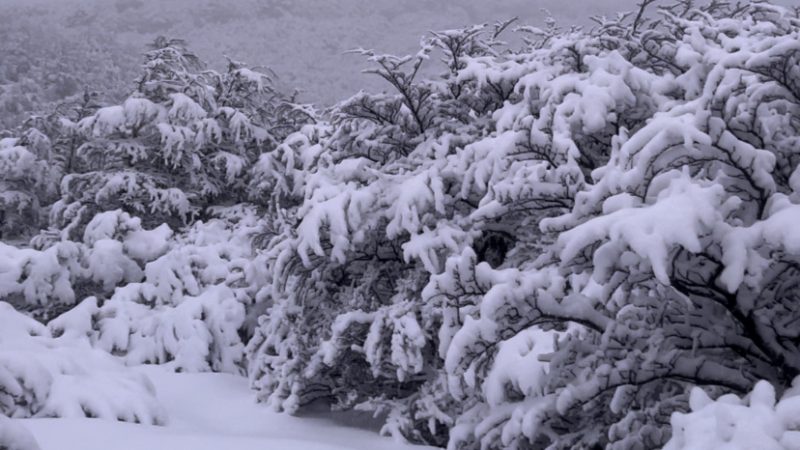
[
  {"x": 366, "y": 207},
  {"x": 43, "y": 376},
  {"x": 113, "y": 251},
  {"x": 616, "y": 203},
  {"x": 187, "y": 307},
  {"x": 146, "y": 295}
]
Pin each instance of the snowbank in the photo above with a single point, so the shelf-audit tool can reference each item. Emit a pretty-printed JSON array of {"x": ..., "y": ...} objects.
[
  {"x": 42, "y": 376},
  {"x": 14, "y": 436},
  {"x": 732, "y": 423},
  {"x": 209, "y": 411}
]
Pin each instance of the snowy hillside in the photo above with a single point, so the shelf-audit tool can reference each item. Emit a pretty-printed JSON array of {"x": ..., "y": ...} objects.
[
  {"x": 53, "y": 49},
  {"x": 525, "y": 237},
  {"x": 302, "y": 41}
]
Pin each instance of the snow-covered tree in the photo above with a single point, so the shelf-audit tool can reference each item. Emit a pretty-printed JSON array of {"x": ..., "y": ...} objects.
[
  {"x": 46, "y": 150},
  {"x": 23, "y": 182},
  {"x": 545, "y": 247},
  {"x": 672, "y": 268},
  {"x": 373, "y": 201},
  {"x": 180, "y": 143}
]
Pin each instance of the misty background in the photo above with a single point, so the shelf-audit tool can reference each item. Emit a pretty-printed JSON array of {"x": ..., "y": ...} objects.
[{"x": 52, "y": 49}]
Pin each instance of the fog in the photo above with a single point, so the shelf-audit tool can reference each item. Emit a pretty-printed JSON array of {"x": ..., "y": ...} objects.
[{"x": 304, "y": 41}]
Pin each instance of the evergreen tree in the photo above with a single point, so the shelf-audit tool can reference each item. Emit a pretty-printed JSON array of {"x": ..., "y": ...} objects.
[
  {"x": 181, "y": 142},
  {"x": 24, "y": 186}
]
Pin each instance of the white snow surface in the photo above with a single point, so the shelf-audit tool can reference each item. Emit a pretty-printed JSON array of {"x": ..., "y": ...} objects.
[
  {"x": 14, "y": 436},
  {"x": 208, "y": 411},
  {"x": 758, "y": 421}
]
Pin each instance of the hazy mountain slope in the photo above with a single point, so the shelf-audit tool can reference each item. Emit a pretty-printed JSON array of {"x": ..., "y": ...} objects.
[
  {"x": 53, "y": 49},
  {"x": 302, "y": 41}
]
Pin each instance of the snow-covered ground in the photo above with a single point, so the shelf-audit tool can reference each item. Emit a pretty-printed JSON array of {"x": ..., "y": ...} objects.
[{"x": 211, "y": 411}]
